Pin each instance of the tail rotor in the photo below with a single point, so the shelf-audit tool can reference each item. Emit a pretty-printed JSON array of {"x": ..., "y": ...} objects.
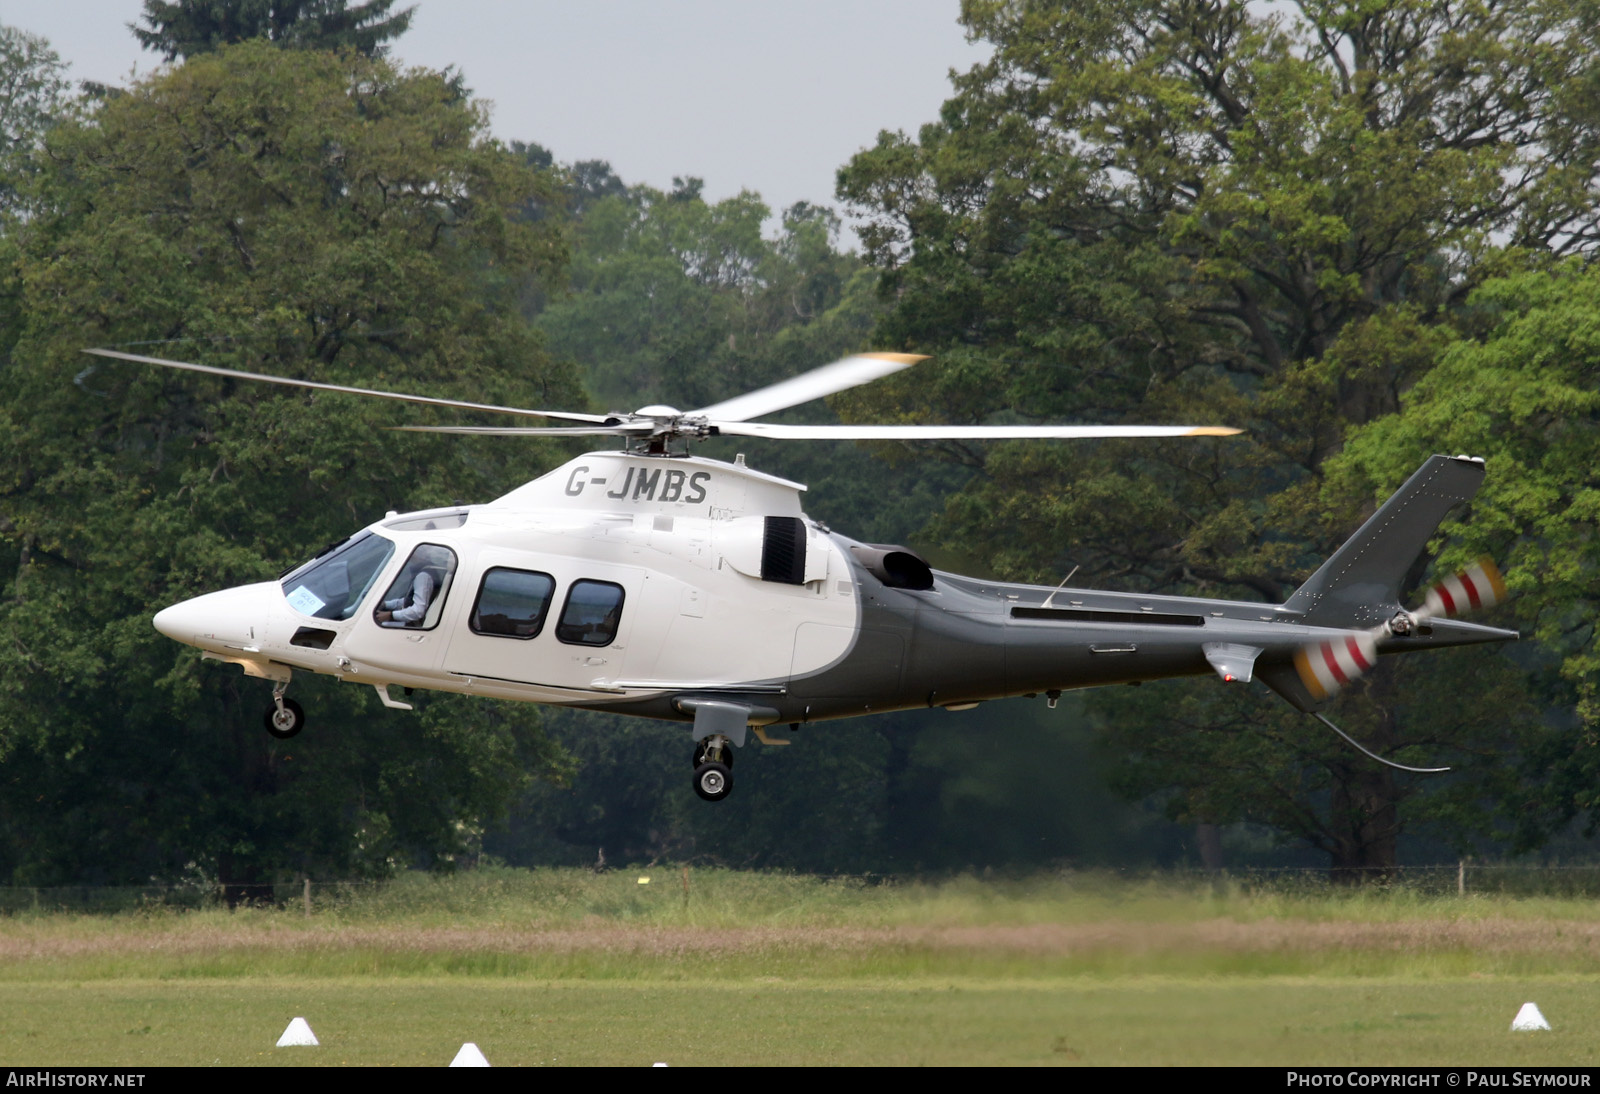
[{"x": 1329, "y": 665}]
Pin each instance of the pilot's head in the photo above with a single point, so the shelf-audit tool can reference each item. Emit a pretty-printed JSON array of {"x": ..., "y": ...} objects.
[{"x": 435, "y": 560}]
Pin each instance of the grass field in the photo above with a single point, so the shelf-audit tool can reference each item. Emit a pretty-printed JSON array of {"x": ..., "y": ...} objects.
[{"x": 567, "y": 967}]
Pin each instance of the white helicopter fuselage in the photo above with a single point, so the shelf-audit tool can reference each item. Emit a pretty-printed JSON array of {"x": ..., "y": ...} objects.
[{"x": 674, "y": 535}]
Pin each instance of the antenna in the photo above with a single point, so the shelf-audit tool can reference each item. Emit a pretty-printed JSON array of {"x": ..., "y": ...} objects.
[
  {"x": 1373, "y": 755},
  {"x": 1049, "y": 599}
]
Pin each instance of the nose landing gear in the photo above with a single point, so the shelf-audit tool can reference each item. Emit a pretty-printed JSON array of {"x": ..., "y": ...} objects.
[
  {"x": 284, "y": 717},
  {"x": 713, "y": 768}
]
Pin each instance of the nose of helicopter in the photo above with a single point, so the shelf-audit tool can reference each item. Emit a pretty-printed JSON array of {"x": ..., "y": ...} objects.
[{"x": 235, "y": 617}]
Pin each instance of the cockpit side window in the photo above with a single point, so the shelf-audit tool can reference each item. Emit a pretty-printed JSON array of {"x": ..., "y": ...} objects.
[
  {"x": 592, "y": 614},
  {"x": 332, "y": 585},
  {"x": 512, "y": 603},
  {"x": 416, "y": 596}
]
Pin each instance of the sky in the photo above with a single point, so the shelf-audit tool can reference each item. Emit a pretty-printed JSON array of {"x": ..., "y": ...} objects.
[{"x": 767, "y": 95}]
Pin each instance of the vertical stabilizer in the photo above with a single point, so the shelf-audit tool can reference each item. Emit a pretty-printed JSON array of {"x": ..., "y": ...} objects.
[{"x": 1360, "y": 585}]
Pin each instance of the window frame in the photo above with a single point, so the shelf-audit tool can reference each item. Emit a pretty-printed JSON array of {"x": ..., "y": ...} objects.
[
  {"x": 441, "y": 594},
  {"x": 544, "y": 614},
  {"x": 328, "y": 556},
  {"x": 622, "y": 599}
]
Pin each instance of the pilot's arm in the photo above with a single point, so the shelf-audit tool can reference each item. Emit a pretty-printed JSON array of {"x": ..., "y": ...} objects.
[{"x": 399, "y": 611}]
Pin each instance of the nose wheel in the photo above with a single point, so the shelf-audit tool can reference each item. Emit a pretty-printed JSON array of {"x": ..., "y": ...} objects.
[
  {"x": 284, "y": 717},
  {"x": 713, "y": 768}
]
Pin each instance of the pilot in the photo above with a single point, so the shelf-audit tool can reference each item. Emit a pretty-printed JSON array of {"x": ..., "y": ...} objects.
[{"x": 410, "y": 610}]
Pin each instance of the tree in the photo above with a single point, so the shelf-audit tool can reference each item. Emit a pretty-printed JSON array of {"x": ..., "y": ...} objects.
[
  {"x": 1521, "y": 387},
  {"x": 186, "y": 28},
  {"x": 280, "y": 211},
  {"x": 1164, "y": 210},
  {"x": 677, "y": 299},
  {"x": 33, "y": 93}
]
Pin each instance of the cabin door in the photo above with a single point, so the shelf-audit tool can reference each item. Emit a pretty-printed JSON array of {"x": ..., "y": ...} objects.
[{"x": 544, "y": 621}]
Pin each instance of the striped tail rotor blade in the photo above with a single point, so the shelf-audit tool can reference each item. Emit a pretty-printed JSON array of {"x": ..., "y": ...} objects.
[
  {"x": 1478, "y": 586},
  {"x": 1327, "y": 666}
]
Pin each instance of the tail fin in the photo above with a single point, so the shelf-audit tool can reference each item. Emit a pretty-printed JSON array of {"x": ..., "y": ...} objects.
[{"x": 1359, "y": 586}]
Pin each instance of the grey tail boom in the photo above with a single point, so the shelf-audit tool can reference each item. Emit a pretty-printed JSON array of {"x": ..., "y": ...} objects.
[{"x": 1359, "y": 586}]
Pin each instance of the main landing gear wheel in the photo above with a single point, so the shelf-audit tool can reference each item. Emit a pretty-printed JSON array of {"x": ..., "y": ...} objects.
[
  {"x": 285, "y": 721},
  {"x": 713, "y": 781},
  {"x": 713, "y": 767}
]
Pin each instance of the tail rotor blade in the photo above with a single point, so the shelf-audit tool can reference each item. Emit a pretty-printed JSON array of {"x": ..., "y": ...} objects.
[
  {"x": 1478, "y": 586},
  {"x": 1329, "y": 665}
]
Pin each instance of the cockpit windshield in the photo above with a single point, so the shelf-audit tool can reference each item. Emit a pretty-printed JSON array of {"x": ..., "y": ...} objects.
[{"x": 332, "y": 585}]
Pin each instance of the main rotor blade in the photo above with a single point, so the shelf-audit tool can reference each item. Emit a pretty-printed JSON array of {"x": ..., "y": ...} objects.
[
  {"x": 425, "y": 399},
  {"x": 841, "y": 375},
  {"x": 644, "y": 429},
  {"x": 779, "y": 431}
]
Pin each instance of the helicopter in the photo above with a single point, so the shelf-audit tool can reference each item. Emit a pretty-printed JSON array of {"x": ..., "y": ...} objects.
[{"x": 652, "y": 582}]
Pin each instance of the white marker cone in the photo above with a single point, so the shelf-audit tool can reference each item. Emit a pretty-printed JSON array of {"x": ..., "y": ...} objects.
[
  {"x": 1529, "y": 1018},
  {"x": 298, "y": 1033},
  {"x": 469, "y": 1056}
]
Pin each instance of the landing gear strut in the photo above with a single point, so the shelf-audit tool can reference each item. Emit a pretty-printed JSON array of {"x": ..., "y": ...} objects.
[
  {"x": 713, "y": 768},
  {"x": 284, "y": 717}
]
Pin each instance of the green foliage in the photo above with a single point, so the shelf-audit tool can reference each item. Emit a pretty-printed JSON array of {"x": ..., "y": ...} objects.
[
  {"x": 1521, "y": 387},
  {"x": 179, "y": 29},
  {"x": 33, "y": 93},
  {"x": 1140, "y": 210},
  {"x": 674, "y": 297},
  {"x": 677, "y": 300},
  {"x": 913, "y": 791},
  {"x": 1267, "y": 764},
  {"x": 281, "y": 211},
  {"x": 1151, "y": 211}
]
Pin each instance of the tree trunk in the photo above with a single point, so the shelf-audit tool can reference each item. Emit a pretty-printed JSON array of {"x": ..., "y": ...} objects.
[
  {"x": 900, "y": 823},
  {"x": 1365, "y": 810},
  {"x": 244, "y": 879},
  {"x": 1208, "y": 842}
]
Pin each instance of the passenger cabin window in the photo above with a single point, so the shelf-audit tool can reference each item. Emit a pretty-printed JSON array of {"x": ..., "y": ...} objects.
[
  {"x": 512, "y": 603},
  {"x": 416, "y": 596},
  {"x": 332, "y": 585},
  {"x": 591, "y": 614}
]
